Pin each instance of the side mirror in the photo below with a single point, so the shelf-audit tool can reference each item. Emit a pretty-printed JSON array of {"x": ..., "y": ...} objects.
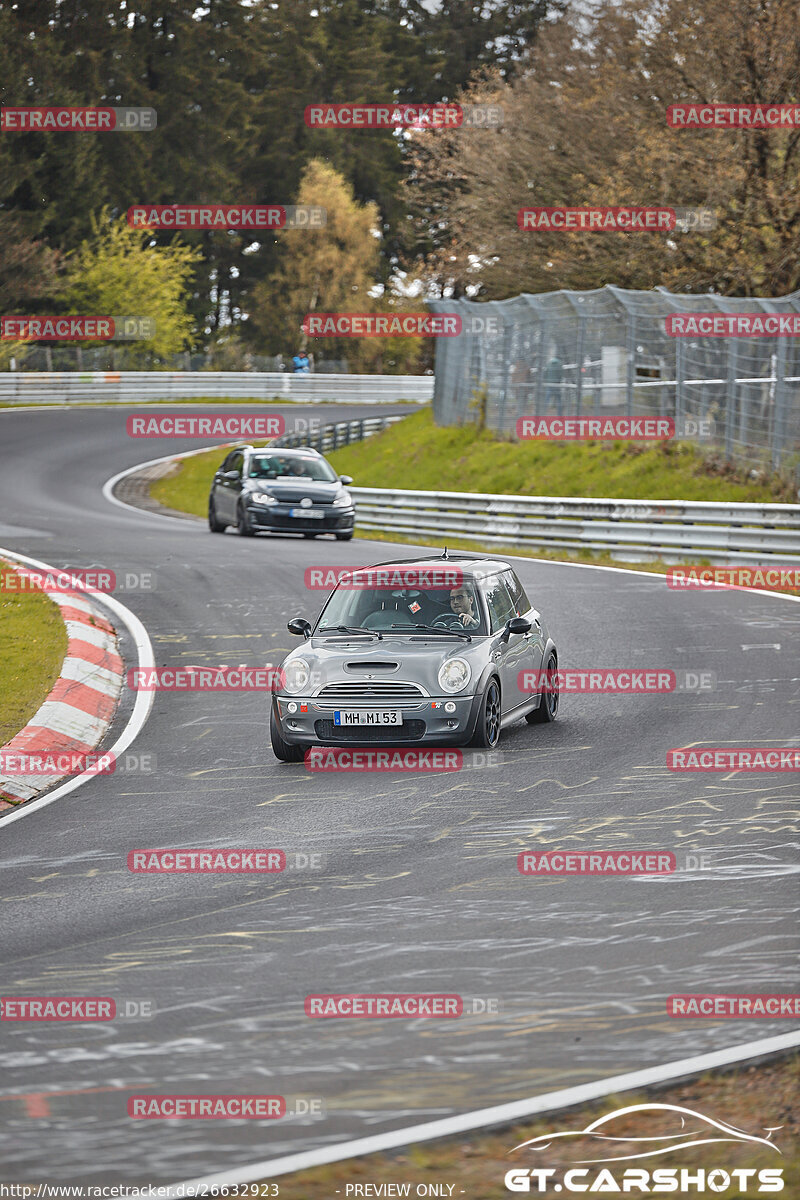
[
  {"x": 230, "y": 476},
  {"x": 515, "y": 625},
  {"x": 300, "y": 627},
  {"x": 346, "y": 479}
]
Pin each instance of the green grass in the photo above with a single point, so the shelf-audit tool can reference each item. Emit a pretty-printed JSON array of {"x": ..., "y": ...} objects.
[
  {"x": 33, "y": 642},
  {"x": 417, "y": 454}
]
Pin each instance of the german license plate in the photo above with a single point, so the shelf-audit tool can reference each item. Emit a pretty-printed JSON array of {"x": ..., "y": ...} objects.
[
  {"x": 367, "y": 717},
  {"x": 309, "y": 513}
]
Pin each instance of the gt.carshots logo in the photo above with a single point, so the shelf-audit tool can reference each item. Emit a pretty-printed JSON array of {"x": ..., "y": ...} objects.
[{"x": 670, "y": 1128}]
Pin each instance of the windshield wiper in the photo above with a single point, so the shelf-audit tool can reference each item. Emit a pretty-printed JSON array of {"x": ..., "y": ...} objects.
[
  {"x": 352, "y": 629},
  {"x": 438, "y": 629}
]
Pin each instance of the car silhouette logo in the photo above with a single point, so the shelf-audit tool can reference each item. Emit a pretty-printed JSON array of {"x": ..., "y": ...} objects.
[{"x": 691, "y": 1129}]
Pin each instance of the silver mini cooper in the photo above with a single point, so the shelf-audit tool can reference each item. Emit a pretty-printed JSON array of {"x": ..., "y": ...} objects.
[{"x": 437, "y": 651}]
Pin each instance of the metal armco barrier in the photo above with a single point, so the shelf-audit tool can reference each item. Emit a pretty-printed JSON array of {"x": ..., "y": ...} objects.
[
  {"x": 131, "y": 387},
  {"x": 331, "y": 437},
  {"x": 631, "y": 530}
]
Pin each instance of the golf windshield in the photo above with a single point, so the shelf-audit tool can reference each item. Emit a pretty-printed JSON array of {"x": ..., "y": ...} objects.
[
  {"x": 455, "y": 608},
  {"x": 288, "y": 467}
]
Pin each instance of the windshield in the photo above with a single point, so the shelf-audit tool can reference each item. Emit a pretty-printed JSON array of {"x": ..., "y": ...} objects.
[
  {"x": 288, "y": 467},
  {"x": 457, "y": 608}
]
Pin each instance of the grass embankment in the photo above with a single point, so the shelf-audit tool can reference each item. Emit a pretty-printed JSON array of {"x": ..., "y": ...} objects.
[
  {"x": 416, "y": 454},
  {"x": 33, "y": 642},
  {"x": 753, "y": 1099}
]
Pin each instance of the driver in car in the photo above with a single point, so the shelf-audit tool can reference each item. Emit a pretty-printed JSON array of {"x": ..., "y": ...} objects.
[{"x": 461, "y": 606}]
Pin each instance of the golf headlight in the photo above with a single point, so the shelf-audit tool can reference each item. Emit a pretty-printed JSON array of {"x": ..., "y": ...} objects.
[
  {"x": 262, "y": 498},
  {"x": 454, "y": 675},
  {"x": 342, "y": 500},
  {"x": 296, "y": 675}
]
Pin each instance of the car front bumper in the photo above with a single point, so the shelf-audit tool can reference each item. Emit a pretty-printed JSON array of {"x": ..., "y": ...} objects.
[
  {"x": 311, "y": 724},
  {"x": 278, "y": 518}
]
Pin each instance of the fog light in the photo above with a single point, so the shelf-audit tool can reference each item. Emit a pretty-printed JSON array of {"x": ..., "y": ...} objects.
[
  {"x": 452, "y": 724},
  {"x": 291, "y": 706},
  {"x": 449, "y": 707}
]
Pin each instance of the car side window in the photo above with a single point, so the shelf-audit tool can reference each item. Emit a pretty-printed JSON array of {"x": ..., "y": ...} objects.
[
  {"x": 501, "y": 606},
  {"x": 237, "y": 462},
  {"x": 228, "y": 463},
  {"x": 518, "y": 595}
]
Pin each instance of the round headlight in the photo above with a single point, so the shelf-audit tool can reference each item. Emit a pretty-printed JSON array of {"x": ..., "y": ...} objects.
[
  {"x": 454, "y": 675},
  {"x": 296, "y": 675}
]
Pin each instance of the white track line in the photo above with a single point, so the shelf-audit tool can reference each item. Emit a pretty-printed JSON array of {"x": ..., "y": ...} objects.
[
  {"x": 110, "y": 484},
  {"x": 141, "y": 707},
  {"x": 501, "y": 1114}
]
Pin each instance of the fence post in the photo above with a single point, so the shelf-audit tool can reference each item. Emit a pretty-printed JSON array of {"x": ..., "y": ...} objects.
[
  {"x": 631, "y": 360},
  {"x": 779, "y": 412},
  {"x": 579, "y": 366},
  {"x": 678, "y": 386},
  {"x": 730, "y": 399}
]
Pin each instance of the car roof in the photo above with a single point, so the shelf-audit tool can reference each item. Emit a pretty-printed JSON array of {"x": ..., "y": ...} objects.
[
  {"x": 291, "y": 451},
  {"x": 468, "y": 563}
]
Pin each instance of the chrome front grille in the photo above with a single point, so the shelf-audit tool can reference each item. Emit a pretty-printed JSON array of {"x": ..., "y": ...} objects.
[{"x": 365, "y": 693}]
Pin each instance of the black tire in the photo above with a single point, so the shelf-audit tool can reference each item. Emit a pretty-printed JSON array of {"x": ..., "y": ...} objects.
[
  {"x": 487, "y": 729},
  {"x": 213, "y": 524},
  {"x": 548, "y": 705},
  {"x": 344, "y": 537},
  {"x": 243, "y": 526},
  {"x": 282, "y": 749}
]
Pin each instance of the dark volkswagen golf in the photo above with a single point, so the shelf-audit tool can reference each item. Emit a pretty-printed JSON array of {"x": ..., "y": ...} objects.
[{"x": 280, "y": 491}]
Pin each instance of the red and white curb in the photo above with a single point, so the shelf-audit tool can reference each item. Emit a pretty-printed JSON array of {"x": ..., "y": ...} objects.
[
  {"x": 78, "y": 711},
  {"x": 77, "y": 714}
]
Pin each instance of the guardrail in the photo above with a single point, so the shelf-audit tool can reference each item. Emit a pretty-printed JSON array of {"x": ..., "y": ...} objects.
[
  {"x": 131, "y": 387},
  {"x": 631, "y": 530},
  {"x": 331, "y": 437}
]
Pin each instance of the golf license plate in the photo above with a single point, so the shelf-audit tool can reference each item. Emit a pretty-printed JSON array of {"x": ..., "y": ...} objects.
[
  {"x": 363, "y": 716},
  {"x": 306, "y": 512}
]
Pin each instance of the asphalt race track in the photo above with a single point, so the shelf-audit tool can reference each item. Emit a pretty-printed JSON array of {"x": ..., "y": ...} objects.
[{"x": 418, "y": 891}]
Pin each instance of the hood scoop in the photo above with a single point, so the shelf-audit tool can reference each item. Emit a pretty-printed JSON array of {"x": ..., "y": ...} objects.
[{"x": 367, "y": 668}]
